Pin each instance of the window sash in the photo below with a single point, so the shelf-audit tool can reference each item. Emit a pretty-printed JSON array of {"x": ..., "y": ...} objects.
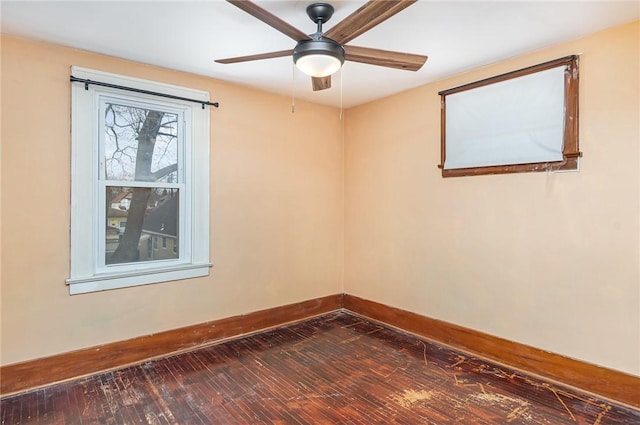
[
  {"x": 183, "y": 117},
  {"x": 183, "y": 230},
  {"x": 184, "y": 239}
]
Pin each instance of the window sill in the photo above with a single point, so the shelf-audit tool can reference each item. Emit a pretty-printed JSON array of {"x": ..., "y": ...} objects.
[{"x": 103, "y": 282}]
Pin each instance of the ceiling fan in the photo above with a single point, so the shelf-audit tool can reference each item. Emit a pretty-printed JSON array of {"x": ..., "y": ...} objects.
[{"x": 321, "y": 54}]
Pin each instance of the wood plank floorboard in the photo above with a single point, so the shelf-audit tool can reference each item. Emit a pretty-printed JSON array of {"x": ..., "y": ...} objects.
[{"x": 334, "y": 369}]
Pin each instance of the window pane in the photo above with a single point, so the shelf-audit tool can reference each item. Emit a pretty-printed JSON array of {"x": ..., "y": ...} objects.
[
  {"x": 137, "y": 219},
  {"x": 140, "y": 144}
]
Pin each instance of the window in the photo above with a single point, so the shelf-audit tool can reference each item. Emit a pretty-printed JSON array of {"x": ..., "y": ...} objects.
[
  {"x": 526, "y": 120},
  {"x": 139, "y": 162}
]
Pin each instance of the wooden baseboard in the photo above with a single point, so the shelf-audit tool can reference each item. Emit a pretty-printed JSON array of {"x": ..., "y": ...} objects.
[
  {"x": 607, "y": 383},
  {"x": 611, "y": 384},
  {"x": 45, "y": 371}
]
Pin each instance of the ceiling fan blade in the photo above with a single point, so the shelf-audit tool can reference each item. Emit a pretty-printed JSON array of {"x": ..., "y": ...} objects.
[
  {"x": 321, "y": 83},
  {"x": 259, "y": 56},
  {"x": 365, "y": 18},
  {"x": 270, "y": 19},
  {"x": 399, "y": 60}
]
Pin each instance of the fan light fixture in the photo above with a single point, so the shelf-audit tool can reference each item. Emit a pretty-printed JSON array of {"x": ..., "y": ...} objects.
[{"x": 320, "y": 57}]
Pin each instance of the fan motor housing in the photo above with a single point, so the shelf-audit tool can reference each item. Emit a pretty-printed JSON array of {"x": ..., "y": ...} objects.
[{"x": 320, "y": 46}]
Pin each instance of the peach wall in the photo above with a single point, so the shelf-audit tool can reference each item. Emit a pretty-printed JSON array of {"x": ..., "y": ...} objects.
[
  {"x": 549, "y": 260},
  {"x": 277, "y": 209}
]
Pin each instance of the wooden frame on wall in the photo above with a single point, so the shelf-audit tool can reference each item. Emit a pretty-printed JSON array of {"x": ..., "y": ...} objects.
[{"x": 570, "y": 133}]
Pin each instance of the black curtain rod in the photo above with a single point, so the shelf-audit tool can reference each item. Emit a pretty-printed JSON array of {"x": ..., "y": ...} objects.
[{"x": 115, "y": 86}]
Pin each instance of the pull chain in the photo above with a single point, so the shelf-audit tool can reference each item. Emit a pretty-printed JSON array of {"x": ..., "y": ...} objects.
[
  {"x": 293, "y": 88},
  {"x": 341, "y": 80}
]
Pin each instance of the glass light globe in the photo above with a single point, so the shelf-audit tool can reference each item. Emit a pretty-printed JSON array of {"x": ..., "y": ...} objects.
[{"x": 317, "y": 65}]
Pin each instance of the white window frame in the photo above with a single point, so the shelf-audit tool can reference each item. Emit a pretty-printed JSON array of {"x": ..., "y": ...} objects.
[{"x": 87, "y": 270}]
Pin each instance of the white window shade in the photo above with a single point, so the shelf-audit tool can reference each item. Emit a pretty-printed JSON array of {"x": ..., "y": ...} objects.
[{"x": 516, "y": 121}]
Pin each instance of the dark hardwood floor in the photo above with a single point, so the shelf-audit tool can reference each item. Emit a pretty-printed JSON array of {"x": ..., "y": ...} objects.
[{"x": 336, "y": 369}]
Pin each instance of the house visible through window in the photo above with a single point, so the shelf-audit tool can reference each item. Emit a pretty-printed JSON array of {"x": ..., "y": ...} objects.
[{"x": 148, "y": 176}]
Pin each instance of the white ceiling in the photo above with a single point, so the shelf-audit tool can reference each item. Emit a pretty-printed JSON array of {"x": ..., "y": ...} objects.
[{"x": 188, "y": 35}]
